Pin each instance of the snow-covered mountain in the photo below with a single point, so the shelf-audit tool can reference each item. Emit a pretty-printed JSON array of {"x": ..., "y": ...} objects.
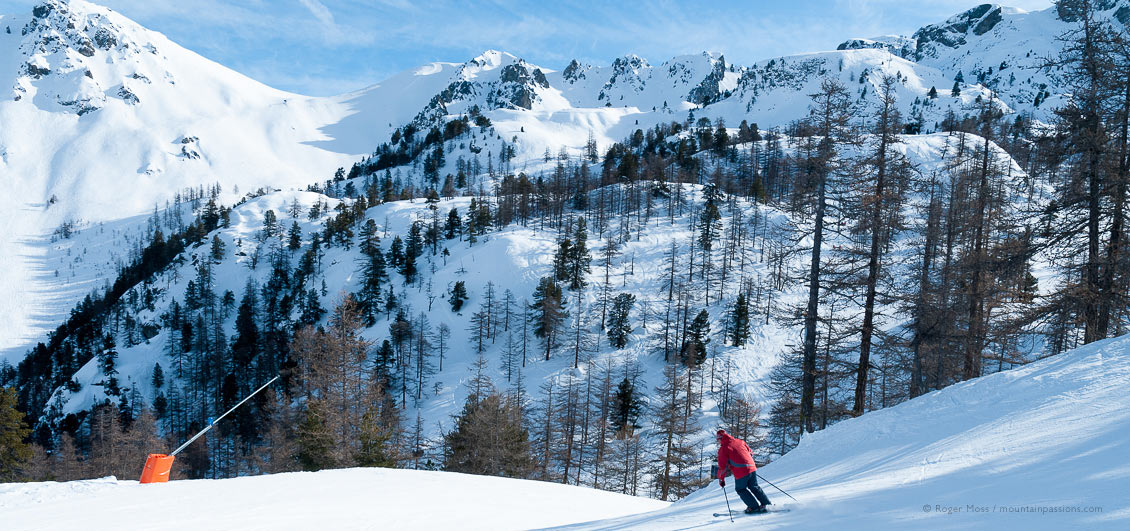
[
  {"x": 997, "y": 47},
  {"x": 95, "y": 105},
  {"x": 102, "y": 120},
  {"x": 117, "y": 99}
]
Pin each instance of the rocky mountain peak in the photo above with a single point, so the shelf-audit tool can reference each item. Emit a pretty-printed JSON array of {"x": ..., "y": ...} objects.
[{"x": 75, "y": 55}]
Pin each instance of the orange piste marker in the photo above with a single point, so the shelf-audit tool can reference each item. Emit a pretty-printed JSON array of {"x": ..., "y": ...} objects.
[{"x": 157, "y": 467}]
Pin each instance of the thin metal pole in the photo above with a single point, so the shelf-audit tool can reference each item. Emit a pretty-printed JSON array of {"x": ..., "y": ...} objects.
[
  {"x": 213, "y": 423},
  {"x": 728, "y": 511},
  {"x": 778, "y": 488}
]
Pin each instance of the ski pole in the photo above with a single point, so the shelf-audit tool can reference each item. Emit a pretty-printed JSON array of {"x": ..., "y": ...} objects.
[
  {"x": 213, "y": 423},
  {"x": 778, "y": 488},
  {"x": 728, "y": 511}
]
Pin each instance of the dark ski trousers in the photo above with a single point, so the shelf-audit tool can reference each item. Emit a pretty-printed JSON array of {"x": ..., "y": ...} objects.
[{"x": 749, "y": 492}]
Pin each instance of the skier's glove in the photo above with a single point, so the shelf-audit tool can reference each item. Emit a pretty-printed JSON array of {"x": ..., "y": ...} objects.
[{"x": 722, "y": 483}]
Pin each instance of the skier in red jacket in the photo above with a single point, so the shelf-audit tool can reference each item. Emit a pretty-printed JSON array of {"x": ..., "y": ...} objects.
[{"x": 734, "y": 455}]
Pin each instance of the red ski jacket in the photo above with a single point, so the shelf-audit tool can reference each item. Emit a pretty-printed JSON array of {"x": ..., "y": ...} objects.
[{"x": 734, "y": 455}]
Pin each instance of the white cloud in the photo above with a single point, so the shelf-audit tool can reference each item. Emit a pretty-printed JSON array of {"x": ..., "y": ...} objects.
[{"x": 320, "y": 12}]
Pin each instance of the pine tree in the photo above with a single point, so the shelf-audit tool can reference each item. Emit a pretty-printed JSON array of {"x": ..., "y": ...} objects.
[
  {"x": 458, "y": 295},
  {"x": 831, "y": 111},
  {"x": 561, "y": 260},
  {"x": 384, "y": 366},
  {"x": 548, "y": 312},
  {"x": 369, "y": 238},
  {"x": 312, "y": 310},
  {"x": 270, "y": 226},
  {"x": 413, "y": 248},
  {"x": 710, "y": 222},
  {"x": 391, "y": 302},
  {"x": 315, "y": 442},
  {"x": 619, "y": 325},
  {"x": 626, "y": 409},
  {"x": 15, "y": 453},
  {"x": 217, "y": 249},
  {"x": 158, "y": 377},
  {"x": 396, "y": 252},
  {"x": 107, "y": 362},
  {"x": 373, "y": 275},
  {"x": 245, "y": 344},
  {"x": 698, "y": 335},
  {"x": 453, "y": 226},
  {"x": 739, "y": 321},
  {"x": 578, "y": 258},
  {"x": 675, "y": 457},
  {"x": 489, "y": 439}
]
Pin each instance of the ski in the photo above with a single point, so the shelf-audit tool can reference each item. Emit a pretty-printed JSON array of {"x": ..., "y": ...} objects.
[{"x": 743, "y": 513}]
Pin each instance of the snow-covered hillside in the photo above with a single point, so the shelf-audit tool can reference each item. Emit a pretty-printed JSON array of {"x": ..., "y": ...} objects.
[
  {"x": 372, "y": 498},
  {"x": 103, "y": 119},
  {"x": 509, "y": 262},
  {"x": 1039, "y": 447}
]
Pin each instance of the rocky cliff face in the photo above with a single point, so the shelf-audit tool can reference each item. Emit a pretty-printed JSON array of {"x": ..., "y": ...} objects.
[{"x": 75, "y": 56}]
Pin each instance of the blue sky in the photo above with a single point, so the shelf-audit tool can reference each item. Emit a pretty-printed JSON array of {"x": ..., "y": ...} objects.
[{"x": 323, "y": 47}]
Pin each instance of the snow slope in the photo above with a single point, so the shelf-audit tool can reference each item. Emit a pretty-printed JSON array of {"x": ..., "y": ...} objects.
[
  {"x": 360, "y": 498},
  {"x": 1020, "y": 449},
  {"x": 102, "y": 119},
  {"x": 524, "y": 253},
  {"x": 989, "y": 453}
]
